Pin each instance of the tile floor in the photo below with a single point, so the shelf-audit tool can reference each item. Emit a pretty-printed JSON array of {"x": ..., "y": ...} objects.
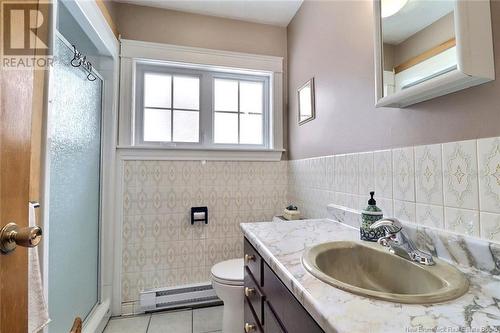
[{"x": 203, "y": 320}]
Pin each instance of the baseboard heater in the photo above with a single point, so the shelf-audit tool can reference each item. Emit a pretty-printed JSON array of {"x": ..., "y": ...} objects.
[{"x": 192, "y": 295}]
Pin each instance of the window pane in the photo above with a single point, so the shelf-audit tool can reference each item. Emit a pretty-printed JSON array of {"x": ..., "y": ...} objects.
[
  {"x": 251, "y": 96},
  {"x": 251, "y": 129},
  {"x": 186, "y": 126},
  {"x": 157, "y": 125},
  {"x": 226, "y": 95},
  {"x": 186, "y": 92},
  {"x": 157, "y": 90},
  {"x": 226, "y": 128}
]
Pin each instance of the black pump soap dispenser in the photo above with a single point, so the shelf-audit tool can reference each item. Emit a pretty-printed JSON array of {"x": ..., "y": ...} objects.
[{"x": 370, "y": 215}]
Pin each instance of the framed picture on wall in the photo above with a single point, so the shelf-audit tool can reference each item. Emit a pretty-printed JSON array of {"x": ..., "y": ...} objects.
[{"x": 306, "y": 102}]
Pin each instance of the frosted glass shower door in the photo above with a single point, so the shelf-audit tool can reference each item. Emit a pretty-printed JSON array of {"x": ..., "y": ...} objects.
[{"x": 73, "y": 164}]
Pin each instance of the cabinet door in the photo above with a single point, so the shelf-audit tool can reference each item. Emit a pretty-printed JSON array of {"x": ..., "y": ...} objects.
[
  {"x": 297, "y": 320},
  {"x": 272, "y": 324},
  {"x": 292, "y": 314},
  {"x": 276, "y": 293}
]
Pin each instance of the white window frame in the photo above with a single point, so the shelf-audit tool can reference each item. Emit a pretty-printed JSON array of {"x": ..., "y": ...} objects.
[
  {"x": 206, "y": 105},
  {"x": 135, "y": 54}
]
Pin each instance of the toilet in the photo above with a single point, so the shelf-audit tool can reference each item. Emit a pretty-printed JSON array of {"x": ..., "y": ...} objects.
[{"x": 227, "y": 280}]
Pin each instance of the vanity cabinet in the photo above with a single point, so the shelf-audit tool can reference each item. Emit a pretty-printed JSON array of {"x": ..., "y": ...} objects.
[{"x": 269, "y": 306}]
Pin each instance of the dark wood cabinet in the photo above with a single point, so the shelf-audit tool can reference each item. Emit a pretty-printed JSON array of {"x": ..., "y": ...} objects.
[
  {"x": 272, "y": 323},
  {"x": 253, "y": 262},
  {"x": 254, "y": 296},
  {"x": 252, "y": 324},
  {"x": 269, "y": 306}
]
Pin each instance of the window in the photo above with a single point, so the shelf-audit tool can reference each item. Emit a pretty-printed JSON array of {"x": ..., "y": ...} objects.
[
  {"x": 178, "y": 106},
  {"x": 238, "y": 111},
  {"x": 171, "y": 108}
]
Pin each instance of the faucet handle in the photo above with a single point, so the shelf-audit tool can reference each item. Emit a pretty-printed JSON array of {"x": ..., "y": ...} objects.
[{"x": 390, "y": 224}]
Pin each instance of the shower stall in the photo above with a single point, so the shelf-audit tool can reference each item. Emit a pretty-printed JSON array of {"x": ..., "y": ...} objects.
[{"x": 78, "y": 168}]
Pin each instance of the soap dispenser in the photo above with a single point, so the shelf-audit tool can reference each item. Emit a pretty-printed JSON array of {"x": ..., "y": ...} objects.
[{"x": 370, "y": 215}]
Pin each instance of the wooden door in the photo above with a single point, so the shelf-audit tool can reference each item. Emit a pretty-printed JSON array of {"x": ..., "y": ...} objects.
[{"x": 21, "y": 105}]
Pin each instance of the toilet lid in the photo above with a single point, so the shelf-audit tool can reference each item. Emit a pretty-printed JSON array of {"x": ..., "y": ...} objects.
[{"x": 229, "y": 270}]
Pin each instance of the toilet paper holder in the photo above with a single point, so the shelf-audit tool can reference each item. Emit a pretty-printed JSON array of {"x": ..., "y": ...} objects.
[{"x": 199, "y": 214}]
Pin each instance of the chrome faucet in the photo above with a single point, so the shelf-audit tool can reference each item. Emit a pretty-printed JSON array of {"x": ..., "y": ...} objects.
[{"x": 399, "y": 242}]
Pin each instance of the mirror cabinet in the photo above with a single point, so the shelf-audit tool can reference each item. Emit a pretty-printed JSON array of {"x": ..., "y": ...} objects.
[{"x": 425, "y": 49}]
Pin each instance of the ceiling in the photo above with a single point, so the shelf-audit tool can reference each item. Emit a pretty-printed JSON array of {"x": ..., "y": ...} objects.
[
  {"x": 413, "y": 17},
  {"x": 274, "y": 12}
]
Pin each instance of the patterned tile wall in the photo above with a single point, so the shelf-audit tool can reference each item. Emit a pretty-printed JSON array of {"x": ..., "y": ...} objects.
[
  {"x": 453, "y": 186},
  {"x": 160, "y": 246}
]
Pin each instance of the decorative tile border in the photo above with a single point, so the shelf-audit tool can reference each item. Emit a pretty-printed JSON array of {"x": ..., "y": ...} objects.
[{"x": 453, "y": 186}]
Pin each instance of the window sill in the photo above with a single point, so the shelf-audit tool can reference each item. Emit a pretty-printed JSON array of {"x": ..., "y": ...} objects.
[{"x": 198, "y": 154}]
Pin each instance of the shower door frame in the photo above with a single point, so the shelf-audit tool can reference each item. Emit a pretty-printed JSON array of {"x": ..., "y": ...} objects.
[{"x": 89, "y": 16}]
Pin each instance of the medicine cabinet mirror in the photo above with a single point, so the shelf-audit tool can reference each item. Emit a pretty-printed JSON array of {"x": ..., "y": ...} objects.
[{"x": 429, "y": 48}]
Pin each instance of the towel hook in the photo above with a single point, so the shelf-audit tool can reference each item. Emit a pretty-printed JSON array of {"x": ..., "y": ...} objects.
[
  {"x": 81, "y": 60},
  {"x": 76, "y": 57}
]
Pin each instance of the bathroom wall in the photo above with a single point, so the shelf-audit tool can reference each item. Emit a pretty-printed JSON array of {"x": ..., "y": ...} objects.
[
  {"x": 333, "y": 41},
  {"x": 160, "y": 247},
  {"x": 453, "y": 186},
  {"x": 180, "y": 28}
]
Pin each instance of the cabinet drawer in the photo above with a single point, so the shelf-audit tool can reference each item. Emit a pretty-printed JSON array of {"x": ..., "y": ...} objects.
[
  {"x": 272, "y": 324},
  {"x": 251, "y": 324},
  {"x": 253, "y": 262},
  {"x": 254, "y": 295}
]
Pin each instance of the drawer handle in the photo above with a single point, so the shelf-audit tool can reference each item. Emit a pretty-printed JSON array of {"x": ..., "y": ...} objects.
[
  {"x": 249, "y": 257},
  {"x": 250, "y": 328},
  {"x": 249, "y": 292}
]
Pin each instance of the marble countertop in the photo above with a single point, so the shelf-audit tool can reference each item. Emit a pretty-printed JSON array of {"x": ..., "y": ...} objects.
[{"x": 281, "y": 245}]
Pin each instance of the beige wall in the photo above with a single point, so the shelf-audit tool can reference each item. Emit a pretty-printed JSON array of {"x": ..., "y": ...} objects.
[
  {"x": 173, "y": 27},
  {"x": 333, "y": 41}
]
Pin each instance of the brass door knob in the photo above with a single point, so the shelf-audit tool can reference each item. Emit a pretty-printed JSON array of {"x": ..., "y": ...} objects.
[
  {"x": 249, "y": 257},
  {"x": 250, "y": 328},
  {"x": 249, "y": 292},
  {"x": 11, "y": 236}
]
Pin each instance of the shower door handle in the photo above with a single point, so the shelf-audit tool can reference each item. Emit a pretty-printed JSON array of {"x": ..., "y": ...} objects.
[{"x": 11, "y": 236}]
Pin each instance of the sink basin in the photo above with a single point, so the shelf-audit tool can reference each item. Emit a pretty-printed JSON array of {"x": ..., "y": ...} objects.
[{"x": 368, "y": 269}]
